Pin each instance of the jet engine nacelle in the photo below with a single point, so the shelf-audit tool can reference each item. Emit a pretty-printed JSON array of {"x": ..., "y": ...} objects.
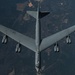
[
  {"x": 5, "y": 39},
  {"x": 18, "y": 48},
  {"x": 56, "y": 48},
  {"x": 68, "y": 40}
]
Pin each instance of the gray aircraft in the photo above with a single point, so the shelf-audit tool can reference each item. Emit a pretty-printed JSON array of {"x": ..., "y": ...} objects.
[{"x": 37, "y": 45}]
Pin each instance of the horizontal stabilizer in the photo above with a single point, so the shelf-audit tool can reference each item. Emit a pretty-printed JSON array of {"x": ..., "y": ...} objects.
[
  {"x": 43, "y": 14},
  {"x": 32, "y": 13}
]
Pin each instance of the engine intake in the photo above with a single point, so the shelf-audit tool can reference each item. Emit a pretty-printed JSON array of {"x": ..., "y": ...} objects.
[
  {"x": 5, "y": 39},
  {"x": 56, "y": 48},
  {"x": 18, "y": 48},
  {"x": 68, "y": 40}
]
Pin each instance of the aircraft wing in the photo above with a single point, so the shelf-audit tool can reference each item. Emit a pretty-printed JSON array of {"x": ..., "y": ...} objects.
[
  {"x": 20, "y": 38},
  {"x": 50, "y": 40}
]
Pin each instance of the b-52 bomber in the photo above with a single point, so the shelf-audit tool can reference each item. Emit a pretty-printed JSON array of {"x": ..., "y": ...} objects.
[{"x": 37, "y": 45}]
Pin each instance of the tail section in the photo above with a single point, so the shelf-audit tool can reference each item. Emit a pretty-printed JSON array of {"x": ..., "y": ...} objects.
[
  {"x": 41, "y": 14},
  {"x": 38, "y": 13}
]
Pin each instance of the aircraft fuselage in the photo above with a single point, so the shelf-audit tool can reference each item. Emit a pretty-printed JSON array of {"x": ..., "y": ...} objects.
[{"x": 38, "y": 41}]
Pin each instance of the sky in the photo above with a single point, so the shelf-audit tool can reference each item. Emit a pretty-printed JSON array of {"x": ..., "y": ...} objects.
[{"x": 61, "y": 16}]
